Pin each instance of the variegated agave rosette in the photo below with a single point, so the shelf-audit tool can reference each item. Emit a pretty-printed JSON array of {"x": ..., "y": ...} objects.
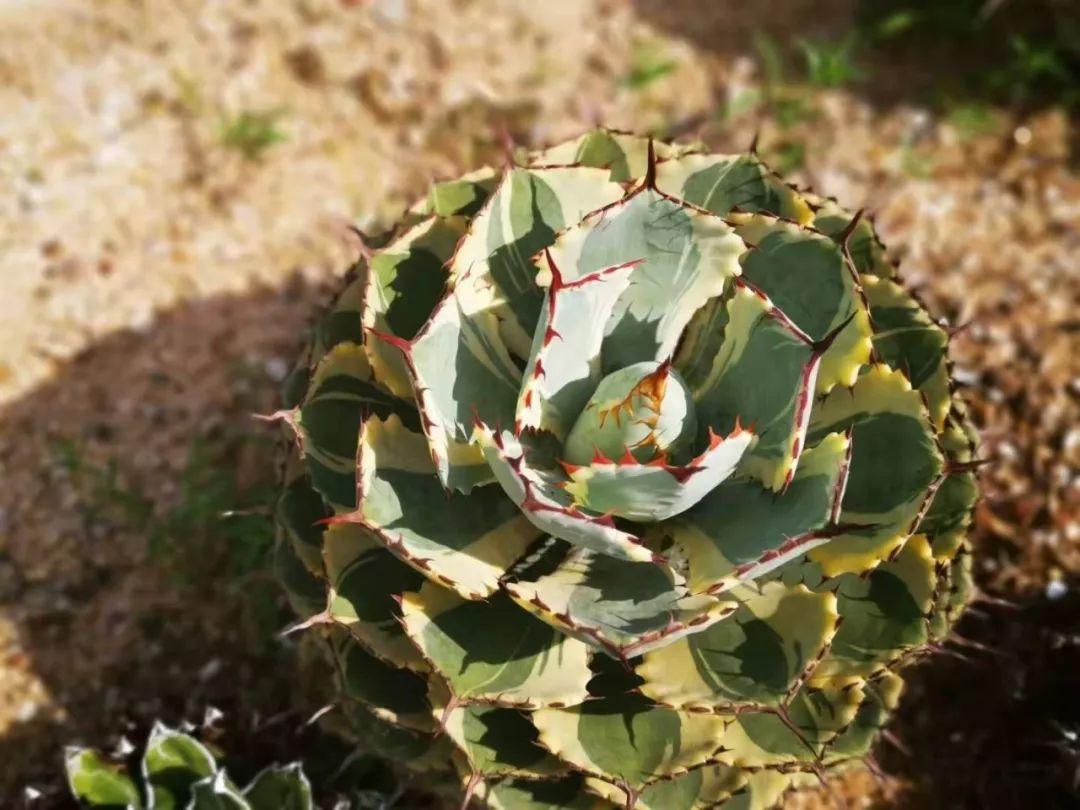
[{"x": 627, "y": 474}]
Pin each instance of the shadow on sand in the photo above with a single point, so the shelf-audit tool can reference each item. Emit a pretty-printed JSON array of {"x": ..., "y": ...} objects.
[{"x": 130, "y": 598}]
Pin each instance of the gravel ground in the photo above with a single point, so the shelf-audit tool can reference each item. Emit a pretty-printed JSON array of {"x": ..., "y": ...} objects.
[{"x": 157, "y": 279}]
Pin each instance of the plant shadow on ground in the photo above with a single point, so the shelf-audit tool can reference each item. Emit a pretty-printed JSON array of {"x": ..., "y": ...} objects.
[
  {"x": 993, "y": 722},
  {"x": 134, "y": 568}
]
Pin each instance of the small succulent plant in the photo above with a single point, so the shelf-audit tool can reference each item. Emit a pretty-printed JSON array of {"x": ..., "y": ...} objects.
[
  {"x": 177, "y": 772},
  {"x": 629, "y": 475}
]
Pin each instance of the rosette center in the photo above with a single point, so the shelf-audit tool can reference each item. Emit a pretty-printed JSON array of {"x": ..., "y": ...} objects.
[{"x": 644, "y": 408}]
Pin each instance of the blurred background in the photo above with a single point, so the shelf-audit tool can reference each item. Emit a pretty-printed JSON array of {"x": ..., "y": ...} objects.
[{"x": 176, "y": 182}]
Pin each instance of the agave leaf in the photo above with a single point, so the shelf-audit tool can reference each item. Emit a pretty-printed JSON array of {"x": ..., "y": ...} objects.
[
  {"x": 715, "y": 786},
  {"x": 366, "y": 580},
  {"x": 765, "y": 788},
  {"x": 725, "y": 183},
  {"x": 938, "y": 622},
  {"x": 806, "y": 275},
  {"x": 564, "y": 364},
  {"x": 906, "y": 339},
  {"x": 629, "y": 742},
  {"x": 416, "y": 750},
  {"x": 863, "y": 245},
  {"x": 522, "y": 217},
  {"x": 97, "y": 782},
  {"x": 795, "y": 732},
  {"x": 305, "y": 591},
  {"x": 884, "y": 613},
  {"x": 625, "y": 155},
  {"x": 882, "y": 695},
  {"x": 460, "y": 361},
  {"x": 740, "y": 531},
  {"x": 394, "y": 694},
  {"x": 701, "y": 787},
  {"x": 464, "y": 196},
  {"x": 954, "y": 591},
  {"x": 465, "y": 542},
  {"x": 724, "y": 786},
  {"x": 217, "y": 792},
  {"x": 493, "y": 652},
  {"x": 538, "y": 794},
  {"x": 701, "y": 342},
  {"x": 342, "y": 391},
  {"x": 959, "y": 439},
  {"x": 895, "y": 465},
  {"x": 625, "y": 608},
  {"x": 280, "y": 787},
  {"x": 460, "y": 368},
  {"x": 756, "y": 657},
  {"x": 299, "y": 511},
  {"x": 406, "y": 279},
  {"x": 775, "y": 405},
  {"x": 498, "y": 741},
  {"x": 172, "y": 763},
  {"x": 684, "y": 257},
  {"x": 948, "y": 519},
  {"x": 343, "y": 322},
  {"x": 547, "y": 506},
  {"x": 655, "y": 491}
]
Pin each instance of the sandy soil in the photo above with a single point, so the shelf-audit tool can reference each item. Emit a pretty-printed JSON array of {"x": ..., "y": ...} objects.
[{"x": 156, "y": 281}]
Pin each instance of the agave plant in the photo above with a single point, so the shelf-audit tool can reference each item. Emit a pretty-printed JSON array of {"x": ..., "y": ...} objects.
[
  {"x": 625, "y": 474},
  {"x": 177, "y": 772}
]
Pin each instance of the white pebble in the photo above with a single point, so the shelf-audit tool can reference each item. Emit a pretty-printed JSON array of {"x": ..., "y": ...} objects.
[{"x": 1056, "y": 589}]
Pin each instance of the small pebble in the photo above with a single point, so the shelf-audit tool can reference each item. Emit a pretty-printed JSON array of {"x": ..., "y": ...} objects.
[
  {"x": 1056, "y": 589},
  {"x": 276, "y": 368},
  {"x": 28, "y": 709}
]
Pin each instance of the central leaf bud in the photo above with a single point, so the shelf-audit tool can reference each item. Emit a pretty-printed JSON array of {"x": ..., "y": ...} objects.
[{"x": 644, "y": 408}]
